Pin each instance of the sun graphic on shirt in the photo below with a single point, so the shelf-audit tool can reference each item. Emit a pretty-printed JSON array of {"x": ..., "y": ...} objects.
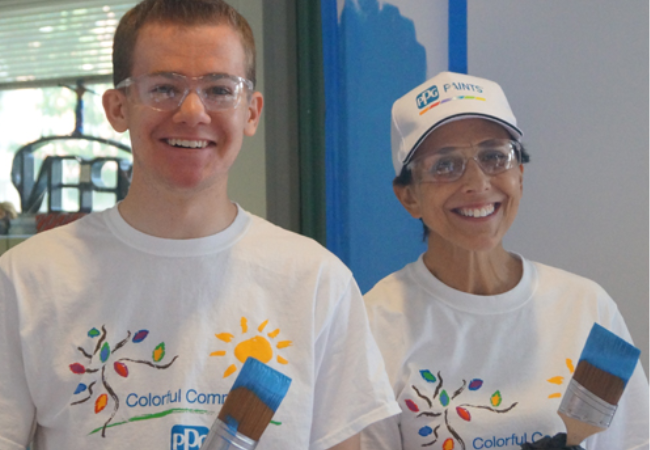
[
  {"x": 559, "y": 380},
  {"x": 260, "y": 346}
]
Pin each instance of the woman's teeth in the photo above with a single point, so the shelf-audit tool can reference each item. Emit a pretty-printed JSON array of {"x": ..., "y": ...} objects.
[
  {"x": 477, "y": 212},
  {"x": 187, "y": 144}
]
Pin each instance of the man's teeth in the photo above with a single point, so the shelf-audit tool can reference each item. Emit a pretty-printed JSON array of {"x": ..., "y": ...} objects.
[
  {"x": 477, "y": 212},
  {"x": 187, "y": 144}
]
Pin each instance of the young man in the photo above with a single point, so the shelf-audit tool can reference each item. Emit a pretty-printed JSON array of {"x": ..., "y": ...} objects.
[{"x": 127, "y": 329}]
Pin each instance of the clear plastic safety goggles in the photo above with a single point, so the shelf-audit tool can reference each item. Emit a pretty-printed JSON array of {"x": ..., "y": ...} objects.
[
  {"x": 166, "y": 91},
  {"x": 448, "y": 164}
]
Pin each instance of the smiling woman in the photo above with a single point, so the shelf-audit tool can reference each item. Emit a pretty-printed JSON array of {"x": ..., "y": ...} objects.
[
  {"x": 472, "y": 212},
  {"x": 474, "y": 336}
]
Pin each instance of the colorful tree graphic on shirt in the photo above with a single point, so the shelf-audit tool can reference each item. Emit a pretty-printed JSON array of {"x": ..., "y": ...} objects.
[
  {"x": 100, "y": 358},
  {"x": 440, "y": 403}
]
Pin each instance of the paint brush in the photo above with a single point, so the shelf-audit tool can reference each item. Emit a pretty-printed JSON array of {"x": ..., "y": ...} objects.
[
  {"x": 249, "y": 407},
  {"x": 604, "y": 368}
]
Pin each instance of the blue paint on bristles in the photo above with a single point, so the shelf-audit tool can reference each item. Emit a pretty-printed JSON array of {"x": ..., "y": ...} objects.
[
  {"x": 268, "y": 384},
  {"x": 610, "y": 353}
]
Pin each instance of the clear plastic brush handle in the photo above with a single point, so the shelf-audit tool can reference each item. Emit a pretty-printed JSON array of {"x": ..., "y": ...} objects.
[{"x": 222, "y": 438}]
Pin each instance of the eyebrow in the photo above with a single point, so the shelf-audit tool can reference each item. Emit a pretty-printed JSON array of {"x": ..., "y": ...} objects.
[
  {"x": 163, "y": 73},
  {"x": 444, "y": 150},
  {"x": 490, "y": 141},
  {"x": 451, "y": 148},
  {"x": 207, "y": 75}
]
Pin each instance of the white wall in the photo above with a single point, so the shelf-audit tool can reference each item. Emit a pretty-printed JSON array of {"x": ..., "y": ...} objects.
[{"x": 576, "y": 75}]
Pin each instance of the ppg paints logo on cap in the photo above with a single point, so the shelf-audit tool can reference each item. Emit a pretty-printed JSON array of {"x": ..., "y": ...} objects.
[
  {"x": 188, "y": 437},
  {"x": 427, "y": 97}
]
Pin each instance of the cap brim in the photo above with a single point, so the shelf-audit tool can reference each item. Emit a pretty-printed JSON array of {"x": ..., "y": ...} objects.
[{"x": 515, "y": 132}]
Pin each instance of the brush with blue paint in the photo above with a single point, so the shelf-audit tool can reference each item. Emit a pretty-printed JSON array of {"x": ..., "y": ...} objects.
[
  {"x": 249, "y": 407},
  {"x": 605, "y": 366}
]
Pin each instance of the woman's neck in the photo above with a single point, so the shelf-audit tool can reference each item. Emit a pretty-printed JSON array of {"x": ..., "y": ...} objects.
[{"x": 480, "y": 273}]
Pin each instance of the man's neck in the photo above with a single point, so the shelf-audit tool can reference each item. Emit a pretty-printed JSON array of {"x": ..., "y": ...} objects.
[{"x": 177, "y": 215}]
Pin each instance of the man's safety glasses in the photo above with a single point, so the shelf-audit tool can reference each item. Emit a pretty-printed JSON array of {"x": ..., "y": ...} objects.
[
  {"x": 448, "y": 164},
  {"x": 166, "y": 91}
]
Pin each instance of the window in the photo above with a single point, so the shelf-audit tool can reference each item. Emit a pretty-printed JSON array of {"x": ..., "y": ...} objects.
[
  {"x": 53, "y": 40},
  {"x": 45, "y": 47}
]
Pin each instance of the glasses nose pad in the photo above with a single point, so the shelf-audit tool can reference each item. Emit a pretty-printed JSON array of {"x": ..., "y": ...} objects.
[
  {"x": 474, "y": 169},
  {"x": 191, "y": 95}
]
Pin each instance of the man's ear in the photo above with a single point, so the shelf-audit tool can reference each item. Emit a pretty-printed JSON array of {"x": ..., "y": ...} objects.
[
  {"x": 114, "y": 102},
  {"x": 407, "y": 197},
  {"x": 254, "y": 112}
]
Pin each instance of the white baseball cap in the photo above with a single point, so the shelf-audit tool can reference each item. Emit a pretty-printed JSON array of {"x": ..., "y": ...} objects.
[{"x": 445, "y": 98}]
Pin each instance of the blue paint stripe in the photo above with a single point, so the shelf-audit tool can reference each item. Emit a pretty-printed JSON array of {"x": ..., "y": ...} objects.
[
  {"x": 335, "y": 170},
  {"x": 458, "y": 36}
]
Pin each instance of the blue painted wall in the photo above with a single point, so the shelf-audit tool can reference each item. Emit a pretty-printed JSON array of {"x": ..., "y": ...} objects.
[{"x": 372, "y": 57}]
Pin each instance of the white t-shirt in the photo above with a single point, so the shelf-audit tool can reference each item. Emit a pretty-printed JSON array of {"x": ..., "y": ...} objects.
[
  {"x": 110, "y": 338},
  {"x": 488, "y": 372}
]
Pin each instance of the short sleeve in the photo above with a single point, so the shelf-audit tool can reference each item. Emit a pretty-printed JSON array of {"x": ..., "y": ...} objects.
[
  {"x": 17, "y": 411},
  {"x": 382, "y": 435},
  {"x": 352, "y": 389}
]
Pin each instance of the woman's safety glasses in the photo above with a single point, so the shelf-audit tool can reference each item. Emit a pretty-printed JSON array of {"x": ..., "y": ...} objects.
[
  {"x": 166, "y": 91},
  {"x": 449, "y": 163}
]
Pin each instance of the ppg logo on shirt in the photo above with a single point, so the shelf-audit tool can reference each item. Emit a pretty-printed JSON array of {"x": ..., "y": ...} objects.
[
  {"x": 188, "y": 437},
  {"x": 427, "y": 97}
]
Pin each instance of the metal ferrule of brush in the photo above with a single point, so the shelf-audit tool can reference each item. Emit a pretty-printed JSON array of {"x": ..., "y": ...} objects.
[
  {"x": 222, "y": 437},
  {"x": 579, "y": 403}
]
